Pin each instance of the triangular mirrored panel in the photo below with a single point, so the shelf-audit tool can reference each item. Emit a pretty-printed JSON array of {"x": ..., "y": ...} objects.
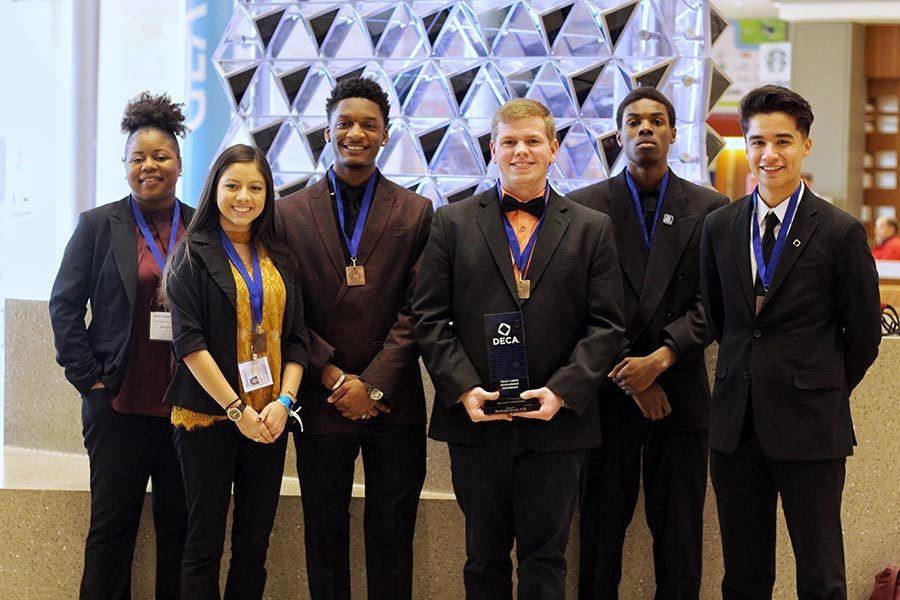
[
  {"x": 455, "y": 154},
  {"x": 293, "y": 40},
  {"x": 551, "y": 88},
  {"x": 520, "y": 34},
  {"x": 460, "y": 36},
  {"x": 403, "y": 154},
  {"x": 581, "y": 35},
  {"x": 289, "y": 154}
]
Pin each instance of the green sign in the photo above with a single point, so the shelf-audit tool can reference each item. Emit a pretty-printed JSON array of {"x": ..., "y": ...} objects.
[{"x": 759, "y": 31}]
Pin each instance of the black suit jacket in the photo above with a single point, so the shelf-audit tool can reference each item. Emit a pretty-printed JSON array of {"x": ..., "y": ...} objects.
[
  {"x": 203, "y": 300},
  {"x": 98, "y": 266},
  {"x": 366, "y": 330},
  {"x": 573, "y": 319},
  {"x": 812, "y": 341},
  {"x": 662, "y": 296}
]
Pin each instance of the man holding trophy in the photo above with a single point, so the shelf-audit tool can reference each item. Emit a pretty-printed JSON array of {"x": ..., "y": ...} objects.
[{"x": 518, "y": 315}]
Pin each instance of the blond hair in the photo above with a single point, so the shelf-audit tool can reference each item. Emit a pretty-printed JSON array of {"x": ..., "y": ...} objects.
[{"x": 523, "y": 108}]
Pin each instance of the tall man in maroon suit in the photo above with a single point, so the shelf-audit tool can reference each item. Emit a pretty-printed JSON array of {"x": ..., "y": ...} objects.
[
  {"x": 359, "y": 238},
  {"x": 655, "y": 421},
  {"x": 791, "y": 294},
  {"x": 521, "y": 251}
]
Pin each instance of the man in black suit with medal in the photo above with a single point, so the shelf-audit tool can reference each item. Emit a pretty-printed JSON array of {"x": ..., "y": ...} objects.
[
  {"x": 791, "y": 295},
  {"x": 359, "y": 238},
  {"x": 503, "y": 261},
  {"x": 654, "y": 409}
]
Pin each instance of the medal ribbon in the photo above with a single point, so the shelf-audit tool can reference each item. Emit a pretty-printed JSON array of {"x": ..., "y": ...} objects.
[
  {"x": 522, "y": 258},
  {"x": 255, "y": 285},
  {"x": 639, "y": 209},
  {"x": 148, "y": 236},
  {"x": 765, "y": 270},
  {"x": 353, "y": 244}
]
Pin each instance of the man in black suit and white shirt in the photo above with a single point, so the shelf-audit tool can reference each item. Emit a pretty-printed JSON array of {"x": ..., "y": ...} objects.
[
  {"x": 519, "y": 248},
  {"x": 791, "y": 294},
  {"x": 655, "y": 421}
]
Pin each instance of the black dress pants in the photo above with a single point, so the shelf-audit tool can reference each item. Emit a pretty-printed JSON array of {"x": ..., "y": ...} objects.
[
  {"x": 394, "y": 466},
  {"x": 674, "y": 476},
  {"x": 512, "y": 494},
  {"x": 212, "y": 459},
  {"x": 124, "y": 452},
  {"x": 747, "y": 486}
]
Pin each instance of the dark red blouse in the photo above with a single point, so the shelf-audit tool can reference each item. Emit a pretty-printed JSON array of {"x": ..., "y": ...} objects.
[{"x": 149, "y": 365}]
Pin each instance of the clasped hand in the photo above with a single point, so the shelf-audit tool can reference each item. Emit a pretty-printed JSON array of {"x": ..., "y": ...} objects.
[
  {"x": 353, "y": 402},
  {"x": 266, "y": 426},
  {"x": 474, "y": 400}
]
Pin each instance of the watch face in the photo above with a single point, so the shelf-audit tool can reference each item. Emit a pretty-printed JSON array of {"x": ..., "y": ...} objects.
[
  {"x": 376, "y": 394},
  {"x": 234, "y": 413}
]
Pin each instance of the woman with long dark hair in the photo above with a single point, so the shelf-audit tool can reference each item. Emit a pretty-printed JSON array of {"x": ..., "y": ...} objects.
[
  {"x": 121, "y": 362},
  {"x": 241, "y": 346}
]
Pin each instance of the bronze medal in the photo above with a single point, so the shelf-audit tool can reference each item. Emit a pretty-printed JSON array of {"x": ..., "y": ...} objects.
[
  {"x": 523, "y": 288},
  {"x": 356, "y": 275},
  {"x": 258, "y": 342}
]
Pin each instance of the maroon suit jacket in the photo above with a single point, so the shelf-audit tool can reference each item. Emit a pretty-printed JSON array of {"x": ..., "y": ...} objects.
[{"x": 365, "y": 330}]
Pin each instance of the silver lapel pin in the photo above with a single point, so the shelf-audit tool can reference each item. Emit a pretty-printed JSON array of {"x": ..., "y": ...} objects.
[
  {"x": 796, "y": 243},
  {"x": 668, "y": 219}
]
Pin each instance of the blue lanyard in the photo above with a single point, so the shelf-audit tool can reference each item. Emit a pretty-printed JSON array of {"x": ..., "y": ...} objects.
[
  {"x": 353, "y": 244},
  {"x": 521, "y": 258},
  {"x": 639, "y": 209},
  {"x": 148, "y": 237},
  {"x": 255, "y": 285},
  {"x": 765, "y": 270}
]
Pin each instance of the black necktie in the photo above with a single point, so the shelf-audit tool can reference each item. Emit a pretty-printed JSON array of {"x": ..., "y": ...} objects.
[
  {"x": 648, "y": 203},
  {"x": 535, "y": 206},
  {"x": 768, "y": 243}
]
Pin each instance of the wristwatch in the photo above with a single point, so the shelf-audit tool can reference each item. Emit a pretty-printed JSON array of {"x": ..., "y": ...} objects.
[
  {"x": 374, "y": 393},
  {"x": 235, "y": 411}
]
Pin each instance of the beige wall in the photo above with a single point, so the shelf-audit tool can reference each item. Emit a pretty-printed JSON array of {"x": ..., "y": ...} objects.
[{"x": 828, "y": 69}]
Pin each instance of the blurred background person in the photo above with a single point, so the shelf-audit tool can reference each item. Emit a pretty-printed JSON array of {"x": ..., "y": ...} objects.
[
  {"x": 241, "y": 346},
  {"x": 121, "y": 362},
  {"x": 887, "y": 242}
]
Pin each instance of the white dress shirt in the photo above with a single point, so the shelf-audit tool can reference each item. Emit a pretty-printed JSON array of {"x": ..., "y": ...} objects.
[{"x": 762, "y": 210}]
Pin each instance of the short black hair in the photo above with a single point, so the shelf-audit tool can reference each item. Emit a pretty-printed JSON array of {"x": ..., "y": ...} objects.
[
  {"x": 359, "y": 87},
  {"x": 156, "y": 112},
  {"x": 775, "y": 98},
  {"x": 647, "y": 92}
]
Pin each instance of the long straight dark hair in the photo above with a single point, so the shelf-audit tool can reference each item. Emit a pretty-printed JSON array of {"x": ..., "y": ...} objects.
[{"x": 207, "y": 216}]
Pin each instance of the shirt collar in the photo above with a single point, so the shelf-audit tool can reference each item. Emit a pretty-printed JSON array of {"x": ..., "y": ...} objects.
[{"x": 762, "y": 209}]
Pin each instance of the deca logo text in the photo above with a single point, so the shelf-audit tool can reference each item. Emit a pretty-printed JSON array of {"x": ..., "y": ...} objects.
[{"x": 503, "y": 330}]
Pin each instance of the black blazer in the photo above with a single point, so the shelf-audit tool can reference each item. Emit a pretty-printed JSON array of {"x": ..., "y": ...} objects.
[
  {"x": 99, "y": 265},
  {"x": 662, "y": 297},
  {"x": 368, "y": 329},
  {"x": 202, "y": 297},
  {"x": 812, "y": 341},
  {"x": 573, "y": 319}
]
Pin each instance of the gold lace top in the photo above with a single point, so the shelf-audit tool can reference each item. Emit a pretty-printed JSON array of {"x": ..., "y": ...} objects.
[{"x": 274, "y": 298}]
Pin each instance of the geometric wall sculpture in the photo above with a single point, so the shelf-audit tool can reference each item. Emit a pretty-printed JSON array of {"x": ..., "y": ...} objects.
[{"x": 447, "y": 66}]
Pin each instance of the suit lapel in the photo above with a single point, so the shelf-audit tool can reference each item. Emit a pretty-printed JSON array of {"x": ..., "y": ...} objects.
[
  {"x": 488, "y": 217},
  {"x": 320, "y": 204},
  {"x": 740, "y": 241},
  {"x": 627, "y": 231},
  {"x": 668, "y": 246},
  {"x": 379, "y": 212},
  {"x": 124, "y": 246},
  {"x": 210, "y": 249},
  {"x": 795, "y": 242},
  {"x": 556, "y": 221}
]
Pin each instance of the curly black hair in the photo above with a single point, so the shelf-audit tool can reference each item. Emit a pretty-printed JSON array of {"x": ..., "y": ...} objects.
[
  {"x": 359, "y": 87},
  {"x": 646, "y": 92},
  {"x": 158, "y": 112}
]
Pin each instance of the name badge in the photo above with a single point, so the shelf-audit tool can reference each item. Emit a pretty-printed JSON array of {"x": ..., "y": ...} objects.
[
  {"x": 255, "y": 374},
  {"x": 160, "y": 326}
]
